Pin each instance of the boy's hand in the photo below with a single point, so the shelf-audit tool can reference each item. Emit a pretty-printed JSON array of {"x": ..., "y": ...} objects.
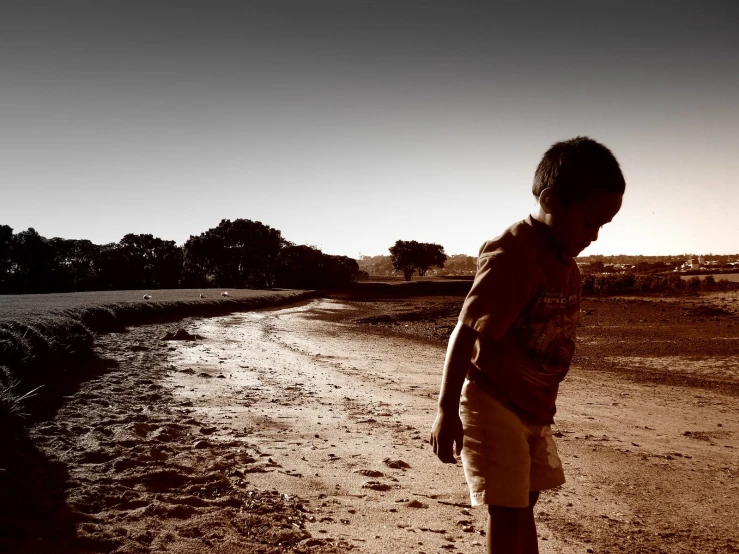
[{"x": 446, "y": 432}]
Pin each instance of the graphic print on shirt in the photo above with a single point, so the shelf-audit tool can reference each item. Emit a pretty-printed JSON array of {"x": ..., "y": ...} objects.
[{"x": 548, "y": 329}]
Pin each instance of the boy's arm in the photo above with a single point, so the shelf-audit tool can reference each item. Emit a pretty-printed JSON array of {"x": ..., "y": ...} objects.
[{"x": 447, "y": 427}]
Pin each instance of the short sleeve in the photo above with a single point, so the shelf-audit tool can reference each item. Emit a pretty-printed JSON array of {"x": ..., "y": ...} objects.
[
  {"x": 504, "y": 284},
  {"x": 577, "y": 277}
]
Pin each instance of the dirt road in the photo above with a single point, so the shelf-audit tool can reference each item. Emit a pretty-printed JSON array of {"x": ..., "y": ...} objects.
[
  {"x": 650, "y": 468},
  {"x": 301, "y": 430},
  {"x": 344, "y": 419}
]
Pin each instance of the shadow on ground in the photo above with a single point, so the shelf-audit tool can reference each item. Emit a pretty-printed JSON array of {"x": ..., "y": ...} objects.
[{"x": 34, "y": 514}]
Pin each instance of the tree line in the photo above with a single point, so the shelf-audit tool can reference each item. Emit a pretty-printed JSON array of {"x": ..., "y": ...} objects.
[
  {"x": 386, "y": 265},
  {"x": 237, "y": 254},
  {"x": 670, "y": 261},
  {"x": 628, "y": 283}
]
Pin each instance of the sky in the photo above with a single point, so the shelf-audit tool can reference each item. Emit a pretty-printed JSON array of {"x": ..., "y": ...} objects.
[{"x": 349, "y": 125}]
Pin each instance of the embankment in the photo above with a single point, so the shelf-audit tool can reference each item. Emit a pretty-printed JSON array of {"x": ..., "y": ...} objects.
[{"x": 40, "y": 333}]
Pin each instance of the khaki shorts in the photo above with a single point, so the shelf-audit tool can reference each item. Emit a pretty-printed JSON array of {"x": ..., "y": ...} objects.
[{"x": 504, "y": 458}]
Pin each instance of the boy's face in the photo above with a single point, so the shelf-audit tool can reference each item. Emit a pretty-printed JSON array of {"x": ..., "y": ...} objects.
[{"x": 576, "y": 225}]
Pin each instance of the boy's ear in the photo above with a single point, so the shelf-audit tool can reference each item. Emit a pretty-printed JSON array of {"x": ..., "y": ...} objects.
[{"x": 548, "y": 201}]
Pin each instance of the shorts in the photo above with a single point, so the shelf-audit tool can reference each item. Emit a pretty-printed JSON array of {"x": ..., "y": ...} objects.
[{"x": 504, "y": 459}]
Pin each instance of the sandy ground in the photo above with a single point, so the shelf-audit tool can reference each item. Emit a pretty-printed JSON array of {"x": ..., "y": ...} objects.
[{"x": 304, "y": 429}]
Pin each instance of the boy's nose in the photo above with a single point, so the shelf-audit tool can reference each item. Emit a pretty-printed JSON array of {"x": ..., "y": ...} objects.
[{"x": 594, "y": 235}]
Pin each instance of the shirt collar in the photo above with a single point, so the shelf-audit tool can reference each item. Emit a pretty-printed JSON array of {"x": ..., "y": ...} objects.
[{"x": 545, "y": 233}]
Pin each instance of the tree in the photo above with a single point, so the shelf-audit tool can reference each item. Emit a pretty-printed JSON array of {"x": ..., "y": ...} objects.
[
  {"x": 301, "y": 266},
  {"x": 74, "y": 267},
  {"x": 411, "y": 256},
  {"x": 33, "y": 263},
  {"x": 205, "y": 260},
  {"x": 693, "y": 284},
  {"x": 242, "y": 253},
  {"x": 304, "y": 266},
  {"x": 112, "y": 268},
  {"x": 153, "y": 262},
  {"x": 6, "y": 256},
  {"x": 597, "y": 266},
  {"x": 430, "y": 255},
  {"x": 342, "y": 270},
  {"x": 402, "y": 256},
  {"x": 255, "y": 250}
]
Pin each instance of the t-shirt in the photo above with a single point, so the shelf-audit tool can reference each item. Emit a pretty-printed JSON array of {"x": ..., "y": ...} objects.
[{"x": 525, "y": 306}]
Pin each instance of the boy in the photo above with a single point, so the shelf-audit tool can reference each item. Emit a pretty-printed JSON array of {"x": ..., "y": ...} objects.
[{"x": 514, "y": 341}]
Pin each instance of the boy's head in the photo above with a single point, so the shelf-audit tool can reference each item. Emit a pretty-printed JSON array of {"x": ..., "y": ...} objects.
[{"x": 578, "y": 185}]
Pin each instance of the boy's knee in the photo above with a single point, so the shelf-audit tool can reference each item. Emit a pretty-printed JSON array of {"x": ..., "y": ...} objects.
[{"x": 505, "y": 513}]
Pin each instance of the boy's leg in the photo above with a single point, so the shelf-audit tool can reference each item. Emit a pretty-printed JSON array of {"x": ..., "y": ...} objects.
[
  {"x": 529, "y": 541},
  {"x": 512, "y": 530}
]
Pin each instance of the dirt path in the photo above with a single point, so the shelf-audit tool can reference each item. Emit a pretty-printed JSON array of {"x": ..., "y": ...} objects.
[
  {"x": 650, "y": 468},
  {"x": 342, "y": 420},
  {"x": 299, "y": 430}
]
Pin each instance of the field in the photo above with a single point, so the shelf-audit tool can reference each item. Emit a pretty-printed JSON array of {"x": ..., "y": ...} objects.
[
  {"x": 691, "y": 340},
  {"x": 303, "y": 429},
  {"x": 29, "y": 306}
]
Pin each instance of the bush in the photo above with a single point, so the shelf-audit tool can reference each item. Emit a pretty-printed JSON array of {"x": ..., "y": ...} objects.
[
  {"x": 644, "y": 283},
  {"x": 614, "y": 282},
  {"x": 588, "y": 283},
  {"x": 693, "y": 284},
  {"x": 625, "y": 283},
  {"x": 674, "y": 282}
]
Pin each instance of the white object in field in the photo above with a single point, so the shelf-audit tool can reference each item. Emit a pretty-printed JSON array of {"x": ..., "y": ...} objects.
[
  {"x": 147, "y": 297},
  {"x": 224, "y": 293},
  {"x": 202, "y": 295}
]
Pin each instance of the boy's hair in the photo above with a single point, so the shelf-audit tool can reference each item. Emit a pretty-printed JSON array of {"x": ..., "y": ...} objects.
[{"x": 577, "y": 170}]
